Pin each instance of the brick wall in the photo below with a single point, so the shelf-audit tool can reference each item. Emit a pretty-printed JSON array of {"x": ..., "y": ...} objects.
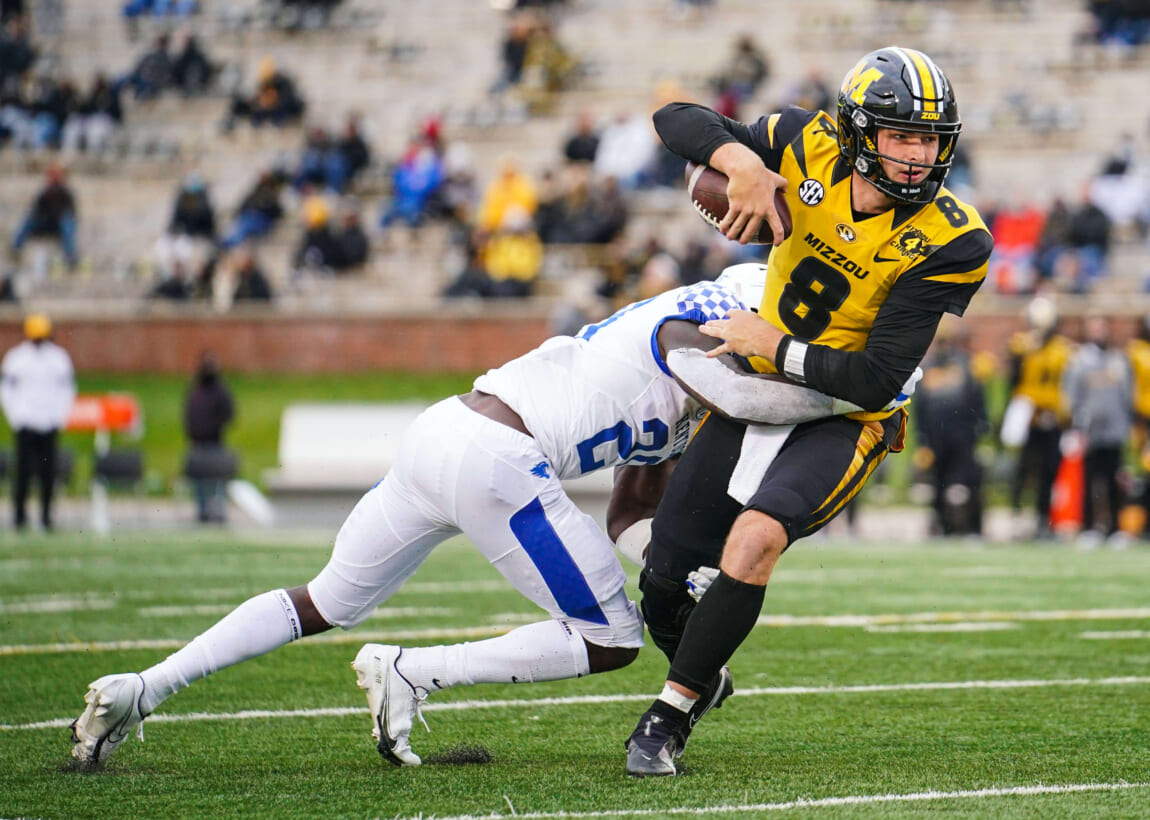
[{"x": 463, "y": 342}]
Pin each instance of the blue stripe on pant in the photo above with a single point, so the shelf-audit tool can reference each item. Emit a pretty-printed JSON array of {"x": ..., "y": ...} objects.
[{"x": 545, "y": 549}]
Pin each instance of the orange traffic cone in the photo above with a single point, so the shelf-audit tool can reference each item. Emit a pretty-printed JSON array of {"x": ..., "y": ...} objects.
[{"x": 1069, "y": 491}]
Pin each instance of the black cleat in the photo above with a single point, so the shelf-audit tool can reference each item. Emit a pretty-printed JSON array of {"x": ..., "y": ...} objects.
[{"x": 652, "y": 747}]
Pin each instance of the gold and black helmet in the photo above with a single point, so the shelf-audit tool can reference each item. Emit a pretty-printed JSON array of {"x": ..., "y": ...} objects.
[{"x": 903, "y": 89}]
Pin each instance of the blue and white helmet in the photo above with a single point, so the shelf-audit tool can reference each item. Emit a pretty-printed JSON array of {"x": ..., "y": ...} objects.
[{"x": 748, "y": 281}]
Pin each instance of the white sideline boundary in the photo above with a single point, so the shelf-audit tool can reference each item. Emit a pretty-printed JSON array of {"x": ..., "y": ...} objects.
[
  {"x": 575, "y": 700},
  {"x": 803, "y": 802}
]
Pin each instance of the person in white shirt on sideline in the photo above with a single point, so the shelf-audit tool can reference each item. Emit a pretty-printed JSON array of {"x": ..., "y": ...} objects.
[{"x": 37, "y": 387}]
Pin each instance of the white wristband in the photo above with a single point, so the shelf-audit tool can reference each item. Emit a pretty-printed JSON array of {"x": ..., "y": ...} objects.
[{"x": 794, "y": 360}]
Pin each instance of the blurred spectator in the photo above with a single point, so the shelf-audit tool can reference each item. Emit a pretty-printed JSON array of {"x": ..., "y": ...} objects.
[
  {"x": 1038, "y": 357},
  {"x": 1090, "y": 240},
  {"x": 548, "y": 67},
  {"x": 160, "y": 8},
  {"x": 178, "y": 285},
  {"x": 152, "y": 72},
  {"x": 53, "y": 214},
  {"x": 511, "y": 188},
  {"x": 627, "y": 147},
  {"x": 208, "y": 410},
  {"x": 354, "y": 151},
  {"x": 10, "y": 9},
  {"x": 1124, "y": 23},
  {"x": 251, "y": 285},
  {"x": 191, "y": 230},
  {"x": 950, "y": 416},
  {"x": 746, "y": 71},
  {"x": 17, "y": 54},
  {"x": 35, "y": 118},
  {"x": 583, "y": 141},
  {"x": 313, "y": 164},
  {"x": 1016, "y": 230},
  {"x": 413, "y": 183},
  {"x": 354, "y": 247},
  {"x": 659, "y": 273},
  {"x": 319, "y": 249},
  {"x": 457, "y": 197},
  {"x": 94, "y": 119},
  {"x": 513, "y": 52},
  {"x": 304, "y": 14},
  {"x": 584, "y": 213},
  {"x": 274, "y": 101},
  {"x": 1099, "y": 388},
  {"x": 1053, "y": 243},
  {"x": 191, "y": 69},
  {"x": 513, "y": 256},
  {"x": 811, "y": 92},
  {"x": 259, "y": 211},
  {"x": 37, "y": 388}
]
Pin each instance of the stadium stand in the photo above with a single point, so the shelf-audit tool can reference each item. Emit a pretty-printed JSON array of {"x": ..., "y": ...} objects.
[{"x": 1040, "y": 123}]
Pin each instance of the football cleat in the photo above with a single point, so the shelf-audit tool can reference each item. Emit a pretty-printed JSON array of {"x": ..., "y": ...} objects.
[
  {"x": 652, "y": 747},
  {"x": 713, "y": 698},
  {"x": 393, "y": 701},
  {"x": 113, "y": 711}
]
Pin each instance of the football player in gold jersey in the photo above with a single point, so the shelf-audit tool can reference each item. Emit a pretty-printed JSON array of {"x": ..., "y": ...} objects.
[
  {"x": 880, "y": 250},
  {"x": 1038, "y": 358}
]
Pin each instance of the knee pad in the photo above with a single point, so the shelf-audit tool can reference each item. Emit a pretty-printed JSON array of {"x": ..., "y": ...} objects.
[{"x": 666, "y": 607}]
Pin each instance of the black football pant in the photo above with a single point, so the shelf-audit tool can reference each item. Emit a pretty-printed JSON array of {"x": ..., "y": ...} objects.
[{"x": 35, "y": 457}]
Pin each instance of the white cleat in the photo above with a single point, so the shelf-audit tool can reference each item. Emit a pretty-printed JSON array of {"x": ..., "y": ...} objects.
[
  {"x": 113, "y": 711},
  {"x": 393, "y": 701}
]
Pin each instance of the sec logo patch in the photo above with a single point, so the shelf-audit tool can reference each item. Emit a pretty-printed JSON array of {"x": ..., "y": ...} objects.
[{"x": 811, "y": 192}]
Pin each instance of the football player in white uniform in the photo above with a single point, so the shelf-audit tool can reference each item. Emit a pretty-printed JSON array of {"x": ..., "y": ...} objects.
[{"x": 487, "y": 464}]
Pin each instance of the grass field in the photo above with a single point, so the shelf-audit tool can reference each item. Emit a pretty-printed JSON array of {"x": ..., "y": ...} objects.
[{"x": 883, "y": 681}]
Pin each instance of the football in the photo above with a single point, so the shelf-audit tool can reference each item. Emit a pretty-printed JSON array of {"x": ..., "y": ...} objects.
[{"x": 708, "y": 191}]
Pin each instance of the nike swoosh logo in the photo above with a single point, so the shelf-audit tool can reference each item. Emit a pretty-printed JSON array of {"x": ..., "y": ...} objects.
[{"x": 880, "y": 259}]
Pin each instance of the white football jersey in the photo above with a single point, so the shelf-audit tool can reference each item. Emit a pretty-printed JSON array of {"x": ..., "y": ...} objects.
[{"x": 605, "y": 396}]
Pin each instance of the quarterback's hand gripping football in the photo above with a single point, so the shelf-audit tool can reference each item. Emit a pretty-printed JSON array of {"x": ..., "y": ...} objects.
[
  {"x": 744, "y": 333},
  {"x": 750, "y": 193}
]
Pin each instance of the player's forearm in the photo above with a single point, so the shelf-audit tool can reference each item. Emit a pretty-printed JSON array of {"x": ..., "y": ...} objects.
[
  {"x": 749, "y": 397},
  {"x": 693, "y": 131}
]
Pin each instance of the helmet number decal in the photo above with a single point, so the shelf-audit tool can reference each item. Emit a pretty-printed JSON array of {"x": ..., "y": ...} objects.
[{"x": 813, "y": 293}]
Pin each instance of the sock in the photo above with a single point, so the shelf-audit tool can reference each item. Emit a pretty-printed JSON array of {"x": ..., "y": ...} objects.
[
  {"x": 254, "y": 628},
  {"x": 548, "y": 650},
  {"x": 722, "y": 620},
  {"x": 676, "y": 699}
]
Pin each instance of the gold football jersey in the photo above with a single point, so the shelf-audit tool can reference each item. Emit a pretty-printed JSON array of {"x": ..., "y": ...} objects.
[
  {"x": 1139, "y": 353},
  {"x": 1041, "y": 364},
  {"x": 826, "y": 282}
]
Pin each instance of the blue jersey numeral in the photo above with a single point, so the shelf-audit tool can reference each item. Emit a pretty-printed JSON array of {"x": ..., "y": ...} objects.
[{"x": 655, "y": 431}]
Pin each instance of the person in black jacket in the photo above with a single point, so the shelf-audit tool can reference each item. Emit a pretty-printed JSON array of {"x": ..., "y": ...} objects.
[{"x": 209, "y": 409}]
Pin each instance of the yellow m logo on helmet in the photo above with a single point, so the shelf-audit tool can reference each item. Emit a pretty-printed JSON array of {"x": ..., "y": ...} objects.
[{"x": 858, "y": 81}]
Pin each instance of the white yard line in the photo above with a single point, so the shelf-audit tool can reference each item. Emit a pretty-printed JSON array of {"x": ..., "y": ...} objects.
[
  {"x": 1116, "y": 635},
  {"x": 581, "y": 700},
  {"x": 806, "y": 802},
  {"x": 499, "y": 623}
]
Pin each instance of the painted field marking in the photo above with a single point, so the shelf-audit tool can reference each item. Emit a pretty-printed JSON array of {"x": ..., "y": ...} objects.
[
  {"x": 964, "y": 626},
  {"x": 224, "y": 609},
  {"x": 500, "y": 623},
  {"x": 1118, "y": 634},
  {"x": 582, "y": 700},
  {"x": 810, "y": 803}
]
